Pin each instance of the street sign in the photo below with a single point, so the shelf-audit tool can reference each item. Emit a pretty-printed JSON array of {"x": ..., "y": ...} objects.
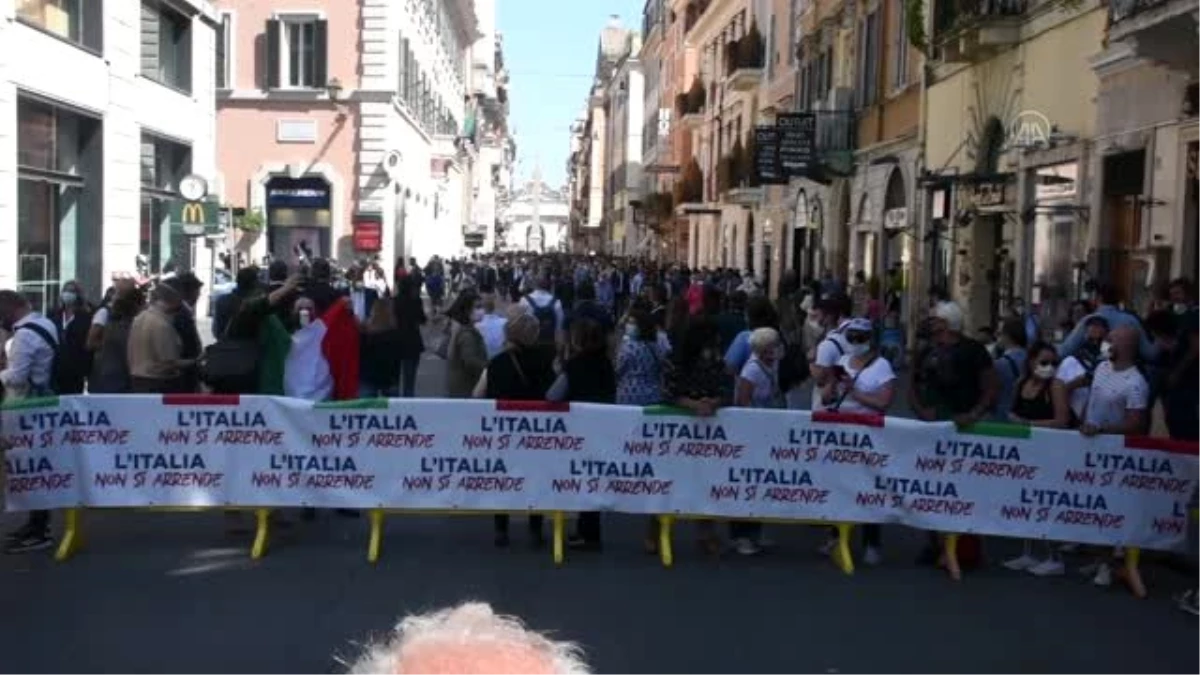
[
  {"x": 196, "y": 218},
  {"x": 797, "y": 143}
]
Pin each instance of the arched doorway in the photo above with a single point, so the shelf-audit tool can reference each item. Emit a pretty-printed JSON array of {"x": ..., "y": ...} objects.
[
  {"x": 895, "y": 219},
  {"x": 865, "y": 237},
  {"x": 299, "y": 218}
]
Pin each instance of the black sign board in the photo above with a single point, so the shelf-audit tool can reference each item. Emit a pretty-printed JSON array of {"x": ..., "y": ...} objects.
[
  {"x": 766, "y": 156},
  {"x": 797, "y": 144}
]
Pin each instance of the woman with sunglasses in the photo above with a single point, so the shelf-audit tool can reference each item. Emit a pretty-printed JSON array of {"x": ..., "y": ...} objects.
[
  {"x": 1040, "y": 400},
  {"x": 864, "y": 383}
]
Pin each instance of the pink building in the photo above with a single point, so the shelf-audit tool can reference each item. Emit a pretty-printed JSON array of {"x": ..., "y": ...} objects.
[{"x": 337, "y": 132}]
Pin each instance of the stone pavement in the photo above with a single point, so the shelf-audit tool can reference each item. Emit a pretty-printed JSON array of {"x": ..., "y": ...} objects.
[{"x": 175, "y": 593}]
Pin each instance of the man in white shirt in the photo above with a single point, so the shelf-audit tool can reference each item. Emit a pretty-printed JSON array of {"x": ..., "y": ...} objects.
[
  {"x": 28, "y": 371},
  {"x": 491, "y": 326},
  {"x": 1119, "y": 394},
  {"x": 835, "y": 312},
  {"x": 540, "y": 299}
]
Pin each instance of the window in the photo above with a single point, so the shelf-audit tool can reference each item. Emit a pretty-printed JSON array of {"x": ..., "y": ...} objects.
[
  {"x": 297, "y": 52},
  {"x": 899, "y": 46},
  {"x": 163, "y": 163},
  {"x": 793, "y": 20},
  {"x": 868, "y": 59},
  {"x": 59, "y": 192},
  {"x": 224, "y": 48},
  {"x": 77, "y": 21},
  {"x": 166, "y": 46},
  {"x": 772, "y": 57}
]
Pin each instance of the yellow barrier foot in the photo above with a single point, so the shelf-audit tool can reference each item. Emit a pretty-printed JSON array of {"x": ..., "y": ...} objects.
[
  {"x": 71, "y": 536},
  {"x": 841, "y": 552},
  {"x": 559, "y": 535},
  {"x": 664, "y": 540},
  {"x": 262, "y": 533},
  {"x": 950, "y": 556},
  {"x": 1132, "y": 574},
  {"x": 376, "y": 538}
]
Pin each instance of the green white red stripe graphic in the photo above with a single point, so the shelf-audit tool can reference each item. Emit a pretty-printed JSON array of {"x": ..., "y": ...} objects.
[
  {"x": 533, "y": 406},
  {"x": 31, "y": 403},
  {"x": 1162, "y": 445}
]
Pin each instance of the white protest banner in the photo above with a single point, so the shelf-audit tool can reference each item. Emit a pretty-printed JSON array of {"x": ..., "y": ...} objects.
[{"x": 257, "y": 451}]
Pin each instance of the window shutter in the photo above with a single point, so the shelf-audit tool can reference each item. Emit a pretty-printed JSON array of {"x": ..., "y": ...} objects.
[
  {"x": 150, "y": 40},
  {"x": 184, "y": 48},
  {"x": 273, "y": 27},
  {"x": 320, "y": 53},
  {"x": 219, "y": 67}
]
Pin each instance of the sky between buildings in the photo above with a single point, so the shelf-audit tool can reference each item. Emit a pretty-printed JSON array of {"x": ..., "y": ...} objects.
[{"x": 550, "y": 51}]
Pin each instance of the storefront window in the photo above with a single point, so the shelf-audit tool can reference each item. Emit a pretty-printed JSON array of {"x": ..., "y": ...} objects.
[
  {"x": 78, "y": 21},
  {"x": 162, "y": 247},
  {"x": 298, "y": 218},
  {"x": 1055, "y": 196},
  {"x": 58, "y": 200}
]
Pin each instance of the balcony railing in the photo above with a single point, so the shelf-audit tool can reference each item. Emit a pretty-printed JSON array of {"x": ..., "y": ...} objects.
[
  {"x": 1119, "y": 10},
  {"x": 951, "y": 15}
]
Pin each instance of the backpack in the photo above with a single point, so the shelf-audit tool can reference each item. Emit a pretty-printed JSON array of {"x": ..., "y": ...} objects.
[
  {"x": 793, "y": 367},
  {"x": 51, "y": 340},
  {"x": 546, "y": 317},
  {"x": 230, "y": 365}
]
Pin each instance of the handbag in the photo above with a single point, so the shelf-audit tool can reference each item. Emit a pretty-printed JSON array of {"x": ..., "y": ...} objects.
[
  {"x": 440, "y": 346},
  {"x": 230, "y": 365}
]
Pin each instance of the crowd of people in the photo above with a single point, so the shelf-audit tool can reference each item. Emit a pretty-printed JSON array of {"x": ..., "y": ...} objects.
[{"x": 600, "y": 330}]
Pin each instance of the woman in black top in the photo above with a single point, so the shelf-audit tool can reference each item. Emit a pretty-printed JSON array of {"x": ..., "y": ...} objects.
[
  {"x": 381, "y": 353},
  {"x": 409, "y": 313},
  {"x": 588, "y": 376},
  {"x": 698, "y": 382},
  {"x": 73, "y": 318},
  {"x": 1040, "y": 400},
  {"x": 521, "y": 372}
]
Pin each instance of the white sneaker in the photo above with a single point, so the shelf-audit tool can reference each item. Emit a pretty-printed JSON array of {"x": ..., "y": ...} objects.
[
  {"x": 746, "y": 547},
  {"x": 872, "y": 556},
  {"x": 1103, "y": 575},
  {"x": 826, "y": 547},
  {"x": 1021, "y": 563},
  {"x": 1048, "y": 568},
  {"x": 1090, "y": 569}
]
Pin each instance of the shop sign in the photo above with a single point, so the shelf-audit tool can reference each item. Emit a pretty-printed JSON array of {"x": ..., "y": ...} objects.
[
  {"x": 991, "y": 194},
  {"x": 298, "y": 193},
  {"x": 895, "y": 219},
  {"x": 196, "y": 218},
  {"x": 797, "y": 143},
  {"x": 368, "y": 235}
]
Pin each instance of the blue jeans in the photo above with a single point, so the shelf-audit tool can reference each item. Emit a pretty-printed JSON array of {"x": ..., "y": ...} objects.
[
  {"x": 368, "y": 390},
  {"x": 408, "y": 377}
]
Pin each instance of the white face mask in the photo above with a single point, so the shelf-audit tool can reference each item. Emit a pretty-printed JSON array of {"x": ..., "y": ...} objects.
[
  {"x": 1044, "y": 372},
  {"x": 305, "y": 317},
  {"x": 1180, "y": 308},
  {"x": 69, "y": 297},
  {"x": 858, "y": 349},
  {"x": 476, "y": 315},
  {"x": 1105, "y": 350}
]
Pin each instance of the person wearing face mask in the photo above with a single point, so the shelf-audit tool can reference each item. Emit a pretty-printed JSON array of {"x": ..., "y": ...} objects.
[
  {"x": 1115, "y": 317},
  {"x": 466, "y": 355},
  {"x": 834, "y": 313},
  {"x": 1039, "y": 400},
  {"x": 757, "y": 386},
  {"x": 73, "y": 319},
  {"x": 641, "y": 359},
  {"x": 155, "y": 352},
  {"x": 1182, "y": 295},
  {"x": 864, "y": 383},
  {"x": 1076, "y": 371}
]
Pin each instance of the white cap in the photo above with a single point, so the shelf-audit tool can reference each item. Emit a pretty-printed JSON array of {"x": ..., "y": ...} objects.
[{"x": 951, "y": 313}]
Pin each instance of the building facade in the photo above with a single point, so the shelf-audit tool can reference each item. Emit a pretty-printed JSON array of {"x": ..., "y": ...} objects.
[
  {"x": 347, "y": 128},
  {"x": 1010, "y": 123},
  {"x": 624, "y": 98},
  {"x": 537, "y": 219},
  {"x": 91, "y": 157},
  {"x": 491, "y": 181},
  {"x": 1143, "y": 224}
]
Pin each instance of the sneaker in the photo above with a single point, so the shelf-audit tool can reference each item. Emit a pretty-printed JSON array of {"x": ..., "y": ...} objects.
[
  {"x": 827, "y": 546},
  {"x": 1090, "y": 569},
  {"x": 30, "y": 542},
  {"x": 746, "y": 547},
  {"x": 1103, "y": 575},
  {"x": 872, "y": 556},
  {"x": 1187, "y": 602},
  {"x": 1048, "y": 568},
  {"x": 1021, "y": 563}
]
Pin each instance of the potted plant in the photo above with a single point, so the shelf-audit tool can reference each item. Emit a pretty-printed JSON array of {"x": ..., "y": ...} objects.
[
  {"x": 690, "y": 188},
  {"x": 250, "y": 221},
  {"x": 751, "y": 49}
]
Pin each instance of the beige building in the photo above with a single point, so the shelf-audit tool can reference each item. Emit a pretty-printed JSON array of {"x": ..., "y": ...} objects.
[
  {"x": 1009, "y": 118},
  {"x": 1143, "y": 224}
]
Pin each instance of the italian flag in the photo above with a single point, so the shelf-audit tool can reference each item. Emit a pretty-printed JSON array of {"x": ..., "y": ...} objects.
[{"x": 322, "y": 359}]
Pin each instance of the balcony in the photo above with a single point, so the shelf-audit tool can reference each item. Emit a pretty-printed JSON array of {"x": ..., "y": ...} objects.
[
  {"x": 744, "y": 59},
  {"x": 688, "y": 192},
  {"x": 690, "y": 105},
  {"x": 1159, "y": 30},
  {"x": 692, "y": 13},
  {"x": 973, "y": 30}
]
